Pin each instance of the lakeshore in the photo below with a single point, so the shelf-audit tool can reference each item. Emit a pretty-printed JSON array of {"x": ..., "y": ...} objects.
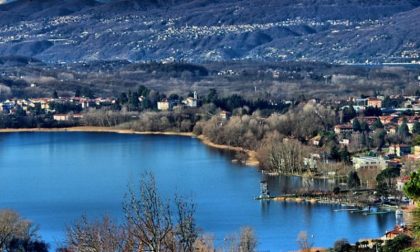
[{"x": 251, "y": 155}]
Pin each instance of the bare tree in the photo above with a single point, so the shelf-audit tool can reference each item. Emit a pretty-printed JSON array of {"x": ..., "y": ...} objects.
[
  {"x": 148, "y": 217},
  {"x": 248, "y": 241},
  {"x": 13, "y": 227},
  {"x": 284, "y": 157},
  {"x": 186, "y": 230},
  {"x": 98, "y": 236},
  {"x": 305, "y": 243},
  {"x": 204, "y": 243}
]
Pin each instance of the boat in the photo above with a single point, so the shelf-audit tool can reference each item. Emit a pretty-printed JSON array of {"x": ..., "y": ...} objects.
[
  {"x": 376, "y": 213},
  {"x": 345, "y": 209}
]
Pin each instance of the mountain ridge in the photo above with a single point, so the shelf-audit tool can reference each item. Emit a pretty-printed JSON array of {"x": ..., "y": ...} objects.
[{"x": 337, "y": 31}]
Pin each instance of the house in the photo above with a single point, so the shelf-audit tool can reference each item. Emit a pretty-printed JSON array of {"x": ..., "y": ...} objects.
[
  {"x": 343, "y": 128},
  {"x": 224, "y": 115},
  {"x": 344, "y": 142},
  {"x": 388, "y": 119},
  {"x": 316, "y": 141},
  {"x": 417, "y": 150},
  {"x": 43, "y": 102},
  {"x": 191, "y": 101},
  {"x": 389, "y": 235},
  {"x": 391, "y": 129},
  {"x": 370, "y": 120},
  {"x": 163, "y": 105},
  {"x": 374, "y": 102},
  {"x": 62, "y": 117},
  {"x": 366, "y": 162},
  {"x": 400, "y": 149},
  {"x": 360, "y": 102}
]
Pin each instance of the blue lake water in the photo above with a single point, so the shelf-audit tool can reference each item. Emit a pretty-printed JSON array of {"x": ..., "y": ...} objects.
[{"x": 54, "y": 178}]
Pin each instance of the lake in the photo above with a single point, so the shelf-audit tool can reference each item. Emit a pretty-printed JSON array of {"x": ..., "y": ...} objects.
[{"x": 53, "y": 178}]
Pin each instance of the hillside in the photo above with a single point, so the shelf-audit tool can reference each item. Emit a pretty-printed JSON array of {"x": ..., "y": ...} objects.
[{"x": 335, "y": 31}]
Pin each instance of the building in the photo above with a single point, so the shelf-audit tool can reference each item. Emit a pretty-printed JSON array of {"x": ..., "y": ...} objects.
[
  {"x": 400, "y": 149},
  {"x": 191, "y": 101},
  {"x": 344, "y": 142},
  {"x": 373, "y": 163},
  {"x": 343, "y": 128},
  {"x": 163, "y": 105},
  {"x": 62, "y": 117},
  {"x": 44, "y": 103},
  {"x": 360, "y": 102},
  {"x": 224, "y": 115},
  {"x": 374, "y": 102},
  {"x": 316, "y": 140},
  {"x": 388, "y": 119}
]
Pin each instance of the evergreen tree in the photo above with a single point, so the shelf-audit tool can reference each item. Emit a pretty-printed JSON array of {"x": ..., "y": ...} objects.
[
  {"x": 416, "y": 127},
  {"x": 403, "y": 130},
  {"x": 364, "y": 126},
  {"x": 212, "y": 97},
  {"x": 353, "y": 180},
  {"x": 55, "y": 94},
  {"x": 345, "y": 155},
  {"x": 348, "y": 114},
  {"x": 412, "y": 187},
  {"x": 356, "y": 125},
  {"x": 334, "y": 153},
  {"x": 123, "y": 99},
  {"x": 378, "y": 124},
  {"x": 77, "y": 93}
]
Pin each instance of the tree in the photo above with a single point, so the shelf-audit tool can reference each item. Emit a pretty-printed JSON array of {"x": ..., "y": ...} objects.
[
  {"x": 382, "y": 189},
  {"x": 27, "y": 245},
  {"x": 353, "y": 180},
  {"x": 247, "y": 240},
  {"x": 416, "y": 127},
  {"x": 78, "y": 93},
  {"x": 364, "y": 126},
  {"x": 412, "y": 187},
  {"x": 348, "y": 114},
  {"x": 15, "y": 231},
  {"x": 399, "y": 243},
  {"x": 379, "y": 138},
  {"x": 384, "y": 180},
  {"x": 305, "y": 244},
  {"x": 212, "y": 97},
  {"x": 356, "y": 125},
  {"x": 96, "y": 236},
  {"x": 148, "y": 217},
  {"x": 143, "y": 91},
  {"x": 342, "y": 246},
  {"x": 372, "y": 111},
  {"x": 55, "y": 94},
  {"x": 416, "y": 141},
  {"x": 186, "y": 230},
  {"x": 334, "y": 152},
  {"x": 284, "y": 157},
  {"x": 387, "y": 175},
  {"x": 336, "y": 190},
  {"x": 377, "y": 124},
  {"x": 403, "y": 130},
  {"x": 345, "y": 155}
]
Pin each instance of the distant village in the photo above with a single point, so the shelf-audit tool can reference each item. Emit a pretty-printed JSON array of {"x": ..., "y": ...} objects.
[{"x": 360, "y": 119}]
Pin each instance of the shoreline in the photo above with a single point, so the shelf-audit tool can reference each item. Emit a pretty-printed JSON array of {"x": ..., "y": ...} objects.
[{"x": 251, "y": 155}]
